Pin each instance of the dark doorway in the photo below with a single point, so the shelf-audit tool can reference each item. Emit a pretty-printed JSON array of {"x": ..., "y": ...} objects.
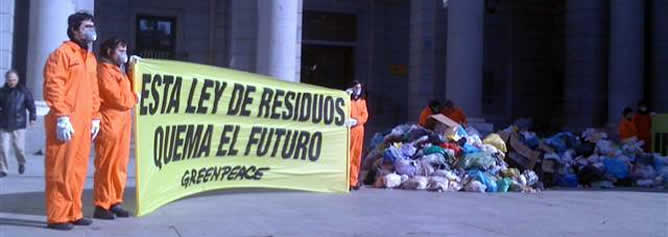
[{"x": 328, "y": 66}]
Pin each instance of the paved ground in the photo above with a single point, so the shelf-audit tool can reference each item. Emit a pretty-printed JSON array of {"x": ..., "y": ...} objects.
[{"x": 369, "y": 212}]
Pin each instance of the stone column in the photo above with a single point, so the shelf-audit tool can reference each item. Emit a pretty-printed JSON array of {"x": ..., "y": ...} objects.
[
  {"x": 422, "y": 57},
  {"x": 48, "y": 30},
  {"x": 6, "y": 37},
  {"x": 585, "y": 88},
  {"x": 660, "y": 56},
  {"x": 279, "y": 39},
  {"x": 465, "y": 55},
  {"x": 626, "y": 65}
]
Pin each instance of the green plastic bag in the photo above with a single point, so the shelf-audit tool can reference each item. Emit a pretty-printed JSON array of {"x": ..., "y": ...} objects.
[{"x": 504, "y": 184}]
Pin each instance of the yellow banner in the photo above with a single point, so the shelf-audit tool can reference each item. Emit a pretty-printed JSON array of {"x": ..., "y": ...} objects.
[{"x": 202, "y": 128}]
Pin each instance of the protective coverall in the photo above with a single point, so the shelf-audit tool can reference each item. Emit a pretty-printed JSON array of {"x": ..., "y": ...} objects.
[
  {"x": 643, "y": 123},
  {"x": 627, "y": 129},
  {"x": 424, "y": 116},
  {"x": 359, "y": 113},
  {"x": 70, "y": 89},
  {"x": 112, "y": 146},
  {"x": 456, "y": 114}
]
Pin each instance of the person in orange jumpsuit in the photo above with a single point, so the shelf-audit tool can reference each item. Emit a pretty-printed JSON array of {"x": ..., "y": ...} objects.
[
  {"x": 643, "y": 123},
  {"x": 627, "y": 129},
  {"x": 434, "y": 107},
  {"x": 358, "y": 118},
  {"x": 454, "y": 113},
  {"x": 71, "y": 92},
  {"x": 112, "y": 147}
]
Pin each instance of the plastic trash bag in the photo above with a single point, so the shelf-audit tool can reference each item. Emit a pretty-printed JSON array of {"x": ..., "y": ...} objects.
[
  {"x": 478, "y": 160},
  {"x": 468, "y": 149},
  {"x": 392, "y": 154},
  {"x": 416, "y": 183},
  {"x": 438, "y": 184},
  {"x": 607, "y": 148},
  {"x": 406, "y": 167},
  {"x": 530, "y": 177},
  {"x": 511, "y": 173},
  {"x": 377, "y": 139},
  {"x": 642, "y": 171},
  {"x": 561, "y": 141},
  {"x": 408, "y": 150},
  {"x": 423, "y": 169},
  {"x": 616, "y": 167},
  {"x": 436, "y": 160},
  {"x": 496, "y": 141},
  {"x": 392, "y": 180},
  {"x": 530, "y": 139},
  {"x": 471, "y": 131},
  {"x": 475, "y": 186},
  {"x": 447, "y": 174},
  {"x": 570, "y": 180},
  {"x": 433, "y": 150},
  {"x": 485, "y": 179},
  {"x": 503, "y": 185},
  {"x": 489, "y": 149}
]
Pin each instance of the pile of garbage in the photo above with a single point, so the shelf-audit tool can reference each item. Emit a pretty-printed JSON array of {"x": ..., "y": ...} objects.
[
  {"x": 412, "y": 157},
  {"x": 594, "y": 160}
]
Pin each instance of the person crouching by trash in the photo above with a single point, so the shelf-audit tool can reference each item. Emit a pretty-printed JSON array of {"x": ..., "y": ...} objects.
[
  {"x": 358, "y": 118},
  {"x": 455, "y": 113},
  {"x": 434, "y": 107},
  {"x": 643, "y": 123},
  {"x": 112, "y": 146},
  {"x": 627, "y": 129}
]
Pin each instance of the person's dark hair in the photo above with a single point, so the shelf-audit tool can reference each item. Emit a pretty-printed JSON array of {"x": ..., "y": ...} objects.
[
  {"x": 11, "y": 71},
  {"x": 449, "y": 103},
  {"x": 111, "y": 44},
  {"x": 434, "y": 103},
  {"x": 642, "y": 103},
  {"x": 354, "y": 83},
  {"x": 627, "y": 111},
  {"x": 74, "y": 22}
]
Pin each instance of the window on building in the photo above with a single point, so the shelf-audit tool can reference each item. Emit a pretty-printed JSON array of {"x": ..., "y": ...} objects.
[{"x": 156, "y": 37}]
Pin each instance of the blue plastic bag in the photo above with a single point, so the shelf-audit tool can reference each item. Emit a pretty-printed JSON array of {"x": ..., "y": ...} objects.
[
  {"x": 393, "y": 154},
  {"x": 503, "y": 184},
  {"x": 468, "y": 149},
  {"x": 484, "y": 179},
  {"x": 569, "y": 180},
  {"x": 616, "y": 168}
]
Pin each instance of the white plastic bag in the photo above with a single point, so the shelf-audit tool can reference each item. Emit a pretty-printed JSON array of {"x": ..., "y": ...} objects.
[{"x": 392, "y": 180}]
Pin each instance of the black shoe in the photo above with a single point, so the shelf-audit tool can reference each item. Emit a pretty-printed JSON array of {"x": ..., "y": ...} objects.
[
  {"x": 63, "y": 226},
  {"x": 83, "y": 221},
  {"x": 22, "y": 169},
  {"x": 3, "y": 174},
  {"x": 101, "y": 213},
  {"x": 119, "y": 211}
]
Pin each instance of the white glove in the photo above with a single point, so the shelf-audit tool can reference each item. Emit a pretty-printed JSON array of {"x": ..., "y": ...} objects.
[
  {"x": 64, "y": 129},
  {"x": 351, "y": 123},
  {"x": 134, "y": 59},
  {"x": 94, "y": 129},
  {"x": 349, "y": 91}
]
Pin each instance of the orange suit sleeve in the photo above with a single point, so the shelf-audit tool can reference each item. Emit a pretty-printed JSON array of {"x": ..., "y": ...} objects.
[
  {"x": 116, "y": 94},
  {"x": 362, "y": 115},
  {"x": 55, "y": 79}
]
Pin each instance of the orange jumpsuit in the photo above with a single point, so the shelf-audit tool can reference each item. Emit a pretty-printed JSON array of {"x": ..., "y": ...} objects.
[
  {"x": 70, "y": 89},
  {"x": 358, "y": 112},
  {"x": 643, "y": 123},
  {"x": 112, "y": 146},
  {"x": 424, "y": 116},
  {"x": 627, "y": 129},
  {"x": 455, "y": 114}
]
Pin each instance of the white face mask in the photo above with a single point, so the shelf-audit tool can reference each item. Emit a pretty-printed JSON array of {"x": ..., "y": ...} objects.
[
  {"x": 357, "y": 91},
  {"x": 123, "y": 59},
  {"x": 90, "y": 35}
]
